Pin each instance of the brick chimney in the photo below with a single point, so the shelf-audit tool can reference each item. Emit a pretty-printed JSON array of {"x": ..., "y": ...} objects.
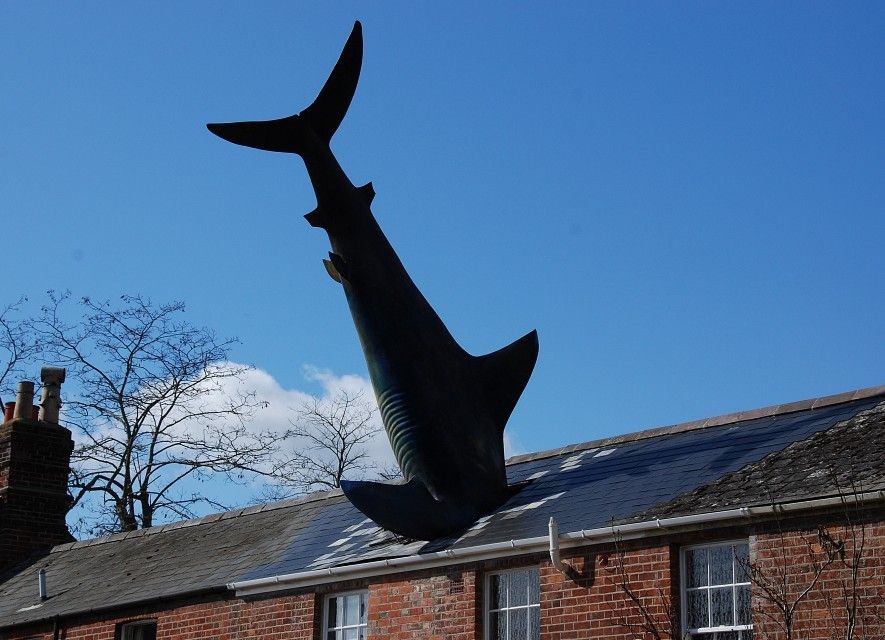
[{"x": 35, "y": 458}]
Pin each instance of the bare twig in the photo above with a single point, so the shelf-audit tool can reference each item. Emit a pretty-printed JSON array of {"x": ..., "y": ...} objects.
[{"x": 17, "y": 345}]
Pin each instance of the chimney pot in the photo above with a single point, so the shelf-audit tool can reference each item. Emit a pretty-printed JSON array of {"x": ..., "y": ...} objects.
[
  {"x": 50, "y": 400},
  {"x": 24, "y": 401}
]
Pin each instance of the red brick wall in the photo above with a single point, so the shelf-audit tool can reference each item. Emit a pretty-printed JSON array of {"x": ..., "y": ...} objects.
[
  {"x": 432, "y": 607},
  {"x": 789, "y": 557},
  {"x": 597, "y": 605}
]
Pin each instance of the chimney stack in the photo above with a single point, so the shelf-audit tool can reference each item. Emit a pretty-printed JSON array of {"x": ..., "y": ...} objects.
[{"x": 35, "y": 458}]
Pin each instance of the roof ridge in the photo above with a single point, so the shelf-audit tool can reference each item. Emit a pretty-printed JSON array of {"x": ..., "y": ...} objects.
[
  {"x": 703, "y": 423},
  {"x": 207, "y": 519}
]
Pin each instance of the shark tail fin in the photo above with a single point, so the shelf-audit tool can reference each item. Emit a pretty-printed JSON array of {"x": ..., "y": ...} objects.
[
  {"x": 327, "y": 111},
  {"x": 322, "y": 117},
  {"x": 505, "y": 373},
  {"x": 408, "y": 509}
]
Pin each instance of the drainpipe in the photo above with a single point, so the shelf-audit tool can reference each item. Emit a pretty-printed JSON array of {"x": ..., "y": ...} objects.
[{"x": 558, "y": 563}]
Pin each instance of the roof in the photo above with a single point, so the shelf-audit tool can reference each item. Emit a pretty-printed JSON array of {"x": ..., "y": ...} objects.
[
  {"x": 739, "y": 459},
  {"x": 845, "y": 460}
]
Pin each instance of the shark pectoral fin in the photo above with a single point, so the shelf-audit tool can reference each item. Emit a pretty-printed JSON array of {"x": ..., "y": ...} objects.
[
  {"x": 408, "y": 509},
  {"x": 340, "y": 265},
  {"x": 368, "y": 192},
  {"x": 327, "y": 111},
  {"x": 332, "y": 271},
  {"x": 505, "y": 373}
]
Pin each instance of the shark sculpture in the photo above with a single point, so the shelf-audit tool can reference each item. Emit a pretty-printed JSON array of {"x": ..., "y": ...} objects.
[{"x": 444, "y": 410}]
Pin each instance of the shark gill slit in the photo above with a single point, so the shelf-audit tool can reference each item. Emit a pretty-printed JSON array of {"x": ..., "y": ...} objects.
[{"x": 400, "y": 427}]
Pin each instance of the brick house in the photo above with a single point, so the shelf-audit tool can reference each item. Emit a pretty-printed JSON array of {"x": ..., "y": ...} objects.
[{"x": 728, "y": 528}]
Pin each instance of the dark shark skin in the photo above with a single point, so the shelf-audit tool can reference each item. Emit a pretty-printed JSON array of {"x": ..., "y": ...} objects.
[{"x": 444, "y": 410}]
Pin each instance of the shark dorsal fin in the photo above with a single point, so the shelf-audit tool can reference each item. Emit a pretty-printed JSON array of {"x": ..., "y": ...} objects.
[
  {"x": 428, "y": 518},
  {"x": 504, "y": 374}
]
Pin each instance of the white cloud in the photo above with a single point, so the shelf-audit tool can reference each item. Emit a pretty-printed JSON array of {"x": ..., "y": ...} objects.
[{"x": 281, "y": 404}]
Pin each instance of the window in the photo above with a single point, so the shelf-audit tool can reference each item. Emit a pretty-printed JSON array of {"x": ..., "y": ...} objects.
[
  {"x": 346, "y": 616},
  {"x": 513, "y": 605},
  {"x": 716, "y": 592},
  {"x": 141, "y": 630}
]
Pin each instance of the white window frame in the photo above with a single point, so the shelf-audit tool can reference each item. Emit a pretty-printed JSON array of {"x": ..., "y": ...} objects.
[
  {"x": 683, "y": 591},
  {"x": 487, "y": 609},
  {"x": 124, "y": 627},
  {"x": 342, "y": 627}
]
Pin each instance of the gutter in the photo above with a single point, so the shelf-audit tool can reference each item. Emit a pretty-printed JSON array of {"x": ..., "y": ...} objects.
[{"x": 538, "y": 544}]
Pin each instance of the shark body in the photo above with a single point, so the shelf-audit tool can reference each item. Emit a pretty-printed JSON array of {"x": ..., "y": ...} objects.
[{"x": 443, "y": 409}]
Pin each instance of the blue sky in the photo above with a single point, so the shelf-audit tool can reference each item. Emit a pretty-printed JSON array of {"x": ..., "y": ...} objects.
[{"x": 685, "y": 199}]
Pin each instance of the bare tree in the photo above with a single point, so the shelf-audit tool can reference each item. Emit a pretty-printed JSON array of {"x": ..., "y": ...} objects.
[
  {"x": 17, "y": 345},
  {"x": 331, "y": 437},
  {"x": 155, "y": 408}
]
